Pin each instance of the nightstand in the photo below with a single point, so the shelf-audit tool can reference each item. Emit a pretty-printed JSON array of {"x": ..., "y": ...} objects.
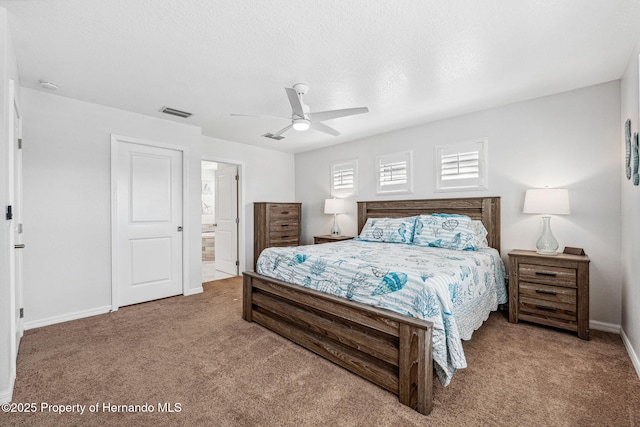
[
  {"x": 551, "y": 290},
  {"x": 328, "y": 238}
]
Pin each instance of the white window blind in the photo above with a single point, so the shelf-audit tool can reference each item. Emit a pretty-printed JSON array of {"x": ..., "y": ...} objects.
[
  {"x": 344, "y": 178},
  {"x": 394, "y": 173},
  {"x": 461, "y": 166}
]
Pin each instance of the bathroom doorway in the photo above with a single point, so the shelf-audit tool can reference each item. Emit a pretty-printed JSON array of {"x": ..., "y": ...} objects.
[{"x": 219, "y": 220}]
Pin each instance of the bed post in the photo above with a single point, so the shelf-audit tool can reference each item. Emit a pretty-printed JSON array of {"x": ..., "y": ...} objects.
[
  {"x": 415, "y": 385},
  {"x": 247, "y": 300},
  {"x": 362, "y": 215},
  {"x": 491, "y": 219}
]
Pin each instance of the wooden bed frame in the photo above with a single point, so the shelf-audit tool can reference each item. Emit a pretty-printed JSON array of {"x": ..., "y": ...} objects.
[{"x": 386, "y": 348}]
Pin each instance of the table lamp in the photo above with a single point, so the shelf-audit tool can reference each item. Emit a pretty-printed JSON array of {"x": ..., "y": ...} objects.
[
  {"x": 335, "y": 207},
  {"x": 547, "y": 201}
]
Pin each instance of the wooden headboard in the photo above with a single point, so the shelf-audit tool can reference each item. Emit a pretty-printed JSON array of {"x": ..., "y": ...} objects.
[{"x": 486, "y": 209}]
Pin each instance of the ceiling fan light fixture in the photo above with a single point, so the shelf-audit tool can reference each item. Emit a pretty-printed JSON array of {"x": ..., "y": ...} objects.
[{"x": 301, "y": 124}]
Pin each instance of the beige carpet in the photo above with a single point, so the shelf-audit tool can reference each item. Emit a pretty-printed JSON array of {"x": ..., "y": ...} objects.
[{"x": 196, "y": 356}]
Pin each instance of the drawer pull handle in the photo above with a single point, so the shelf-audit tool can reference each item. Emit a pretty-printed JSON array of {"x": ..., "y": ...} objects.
[
  {"x": 542, "y": 291},
  {"x": 285, "y": 213},
  {"x": 544, "y": 307},
  {"x": 546, "y": 273},
  {"x": 284, "y": 225}
]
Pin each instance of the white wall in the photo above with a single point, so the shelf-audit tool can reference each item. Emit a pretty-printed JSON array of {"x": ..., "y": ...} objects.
[
  {"x": 629, "y": 93},
  {"x": 67, "y": 195},
  {"x": 8, "y": 70},
  {"x": 265, "y": 176},
  {"x": 566, "y": 140}
]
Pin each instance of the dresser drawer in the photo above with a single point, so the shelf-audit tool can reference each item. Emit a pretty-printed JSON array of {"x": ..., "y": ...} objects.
[
  {"x": 283, "y": 225},
  {"x": 286, "y": 241},
  {"x": 284, "y": 212},
  {"x": 550, "y": 275},
  {"x": 290, "y": 237}
]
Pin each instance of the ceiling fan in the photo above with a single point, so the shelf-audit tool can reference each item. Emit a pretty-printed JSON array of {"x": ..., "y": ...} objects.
[{"x": 302, "y": 118}]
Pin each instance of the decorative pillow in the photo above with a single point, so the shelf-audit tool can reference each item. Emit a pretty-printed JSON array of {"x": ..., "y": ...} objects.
[
  {"x": 481, "y": 233},
  {"x": 389, "y": 230},
  {"x": 448, "y": 231}
]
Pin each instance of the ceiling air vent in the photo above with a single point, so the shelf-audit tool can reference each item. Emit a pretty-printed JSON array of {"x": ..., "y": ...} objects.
[
  {"x": 272, "y": 136},
  {"x": 175, "y": 112}
]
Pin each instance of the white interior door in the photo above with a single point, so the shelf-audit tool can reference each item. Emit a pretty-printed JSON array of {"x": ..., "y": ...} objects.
[
  {"x": 149, "y": 205},
  {"x": 226, "y": 213}
]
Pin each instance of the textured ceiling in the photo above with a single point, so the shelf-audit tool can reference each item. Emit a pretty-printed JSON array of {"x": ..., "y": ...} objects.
[{"x": 410, "y": 62}]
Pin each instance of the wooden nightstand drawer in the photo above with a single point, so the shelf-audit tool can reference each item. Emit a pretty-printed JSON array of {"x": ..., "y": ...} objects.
[
  {"x": 551, "y": 275},
  {"x": 556, "y": 294}
]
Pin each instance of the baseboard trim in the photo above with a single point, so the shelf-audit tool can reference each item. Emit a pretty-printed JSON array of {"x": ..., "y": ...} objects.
[
  {"x": 7, "y": 395},
  {"x": 194, "y": 291},
  {"x": 66, "y": 317},
  {"x": 604, "y": 327},
  {"x": 632, "y": 354}
]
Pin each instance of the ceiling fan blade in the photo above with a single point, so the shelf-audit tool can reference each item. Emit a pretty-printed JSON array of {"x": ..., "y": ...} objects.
[
  {"x": 262, "y": 117},
  {"x": 324, "y": 128},
  {"x": 294, "y": 100},
  {"x": 334, "y": 114}
]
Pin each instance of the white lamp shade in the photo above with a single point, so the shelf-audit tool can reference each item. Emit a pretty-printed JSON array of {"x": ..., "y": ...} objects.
[
  {"x": 333, "y": 206},
  {"x": 554, "y": 201}
]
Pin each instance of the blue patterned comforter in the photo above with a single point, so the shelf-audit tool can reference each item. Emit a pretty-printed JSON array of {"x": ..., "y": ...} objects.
[{"x": 456, "y": 290}]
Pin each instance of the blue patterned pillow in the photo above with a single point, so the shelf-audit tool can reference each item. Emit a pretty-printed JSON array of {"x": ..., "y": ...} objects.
[
  {"x": 448, "y": 231},
  {"x": 389, "y": 230},
  {"x": 481, "y": 233}
]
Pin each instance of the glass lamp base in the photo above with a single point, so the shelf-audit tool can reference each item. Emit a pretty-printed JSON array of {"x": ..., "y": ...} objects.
[
  {"x": 547, "y": 244},
  {"x": 335, "y": 230}
]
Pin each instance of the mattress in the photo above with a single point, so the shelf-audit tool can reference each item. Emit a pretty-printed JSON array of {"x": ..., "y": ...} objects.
[{"x": 455, "y": 290}]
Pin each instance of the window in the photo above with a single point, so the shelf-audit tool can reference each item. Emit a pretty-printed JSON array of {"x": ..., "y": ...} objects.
[
  {"x": 344, "y": 178},
  {"x": 462, "y": 166},
  {"x": 394, "y": 173}
]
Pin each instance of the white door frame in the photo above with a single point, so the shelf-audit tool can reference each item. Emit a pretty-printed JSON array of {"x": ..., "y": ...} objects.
[
  {"x": 241, "y": 209},
  {"x": 115, "y": 146},
  {"x": 16, "y": 326}
]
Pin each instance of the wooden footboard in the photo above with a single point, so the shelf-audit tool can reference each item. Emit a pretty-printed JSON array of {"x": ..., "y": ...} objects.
[{"x": 388, "y": 349}]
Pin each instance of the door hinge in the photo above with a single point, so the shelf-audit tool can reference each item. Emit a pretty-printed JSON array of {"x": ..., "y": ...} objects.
[
  {"x": 237, "y": 263},
  {"x": 9, "y": 215},
  {"x": 22, "y": 313},
  {"x": 19, "y": 143},
  {"x": 237, "y": 177},
  {"x": 237, "y": 220},
  {"x": 19, "y": 228}
]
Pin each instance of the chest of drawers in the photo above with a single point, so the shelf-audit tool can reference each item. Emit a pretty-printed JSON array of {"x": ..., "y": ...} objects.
[
  {"x": 275, "y": 224},
  {"x": 550, "y": 290}
]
